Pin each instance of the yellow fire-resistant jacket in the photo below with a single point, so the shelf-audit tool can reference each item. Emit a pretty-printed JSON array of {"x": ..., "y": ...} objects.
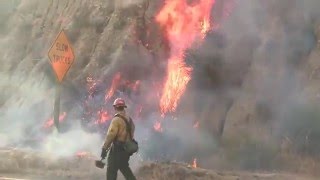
[{"x": 117, "y": 130}]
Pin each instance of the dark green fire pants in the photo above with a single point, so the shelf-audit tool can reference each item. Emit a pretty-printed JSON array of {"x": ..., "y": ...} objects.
[{"x": 118, "y": 159}]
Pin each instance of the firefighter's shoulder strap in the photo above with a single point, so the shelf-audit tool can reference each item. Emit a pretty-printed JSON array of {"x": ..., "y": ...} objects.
[{"x": 128, "y": 125}]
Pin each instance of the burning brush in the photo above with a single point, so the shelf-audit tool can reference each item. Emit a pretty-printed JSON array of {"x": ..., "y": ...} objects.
[{"x": 183, "y": 24}]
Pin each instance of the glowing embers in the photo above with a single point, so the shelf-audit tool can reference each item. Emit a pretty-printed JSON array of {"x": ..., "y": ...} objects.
[
  {"x": 50, "y": 122},
  {"x": 103, "y": 116},
  {"x": 118, "y": 82},
  {"x": 194, "y": 163},
  {"x": 98, "y": 112},
  {"x": 157, "y": 126}
]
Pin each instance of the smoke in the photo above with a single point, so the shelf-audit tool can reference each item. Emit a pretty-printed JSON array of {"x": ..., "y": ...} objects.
[
  {"x": 177, "y": 140},
  {"x": 25, "y": 112},
  {"x": 250, "y": 76},
  {"x": 261, "y": 51},
  {"x": 74, "y": 141},
  {"x": 20, "y": 110},
  {"x": 26, "y": 100}
]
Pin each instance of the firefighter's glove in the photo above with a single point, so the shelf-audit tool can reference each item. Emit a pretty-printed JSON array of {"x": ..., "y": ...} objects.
[{"x": 103, "y": 153}]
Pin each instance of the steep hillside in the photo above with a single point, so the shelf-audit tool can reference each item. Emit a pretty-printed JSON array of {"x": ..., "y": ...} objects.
[{"x": 251, "y": 82}]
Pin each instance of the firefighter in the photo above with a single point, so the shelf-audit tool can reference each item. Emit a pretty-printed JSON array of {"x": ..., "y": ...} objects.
[{"x": 117, "y": 134}]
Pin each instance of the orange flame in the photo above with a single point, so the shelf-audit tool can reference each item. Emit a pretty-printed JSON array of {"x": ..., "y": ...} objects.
[
  {"x": 183, "y": 23},
  {"x": 91, "y": 85},
  {"x": 50, "y": 122},
  {"x": 132, "y": 85},
  {"x": 114, "y": 85},
  {"x": 84, "y": 154},
  {"x": 157, "y": 126},
  {"x": 103, "y": 117},
  {"x": 117, "y": 82},
  {"x": 194, "y": 163}
]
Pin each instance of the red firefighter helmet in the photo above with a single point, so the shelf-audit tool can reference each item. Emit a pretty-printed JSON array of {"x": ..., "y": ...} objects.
[{"x": 119, "y": 102}]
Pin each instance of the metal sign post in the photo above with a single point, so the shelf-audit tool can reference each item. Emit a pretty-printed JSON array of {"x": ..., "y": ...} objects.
[{"x": 56, "y": 108}]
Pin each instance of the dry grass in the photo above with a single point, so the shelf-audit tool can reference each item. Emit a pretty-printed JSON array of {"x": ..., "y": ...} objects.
[
  {"x": 300, "y": 164},
  {"x": 176, "y": 171},
  {"x": 28, "y": 164}
]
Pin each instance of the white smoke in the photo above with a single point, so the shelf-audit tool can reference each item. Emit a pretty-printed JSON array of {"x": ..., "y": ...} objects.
[{"x": 72, "y": 142}]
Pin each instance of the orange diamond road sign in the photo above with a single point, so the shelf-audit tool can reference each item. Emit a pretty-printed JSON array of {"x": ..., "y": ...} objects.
[{"x": 61, "y": 56}]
